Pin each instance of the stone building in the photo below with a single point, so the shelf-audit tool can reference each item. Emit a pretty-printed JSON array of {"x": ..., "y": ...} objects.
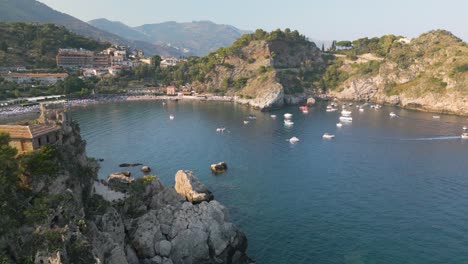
[
  {"x": 49, "y": 130},
  {"x": 32, "y": 137}
]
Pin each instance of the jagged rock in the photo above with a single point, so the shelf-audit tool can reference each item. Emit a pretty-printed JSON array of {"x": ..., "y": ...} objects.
[
  {"x": 310, "y": 101},
  {"x": 111, "y": 223},
  {"x": 219, "y": 167},
  {"x": 145, "y": 169},
  {"x": 132, "y": 257},
  {"x": 157, "y": 260},
  {"x": 146, "y": 235},
  {"x": 116, "y": 256},
  {"x": 190, "y": 246},
  {"x": 187, "y": 185},
  {"x": 167, "y": 261},
  {"x": 165, "y": 248}
]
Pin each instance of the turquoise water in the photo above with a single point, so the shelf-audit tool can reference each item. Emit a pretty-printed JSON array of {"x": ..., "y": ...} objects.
[{"x": 386, "y": 190}]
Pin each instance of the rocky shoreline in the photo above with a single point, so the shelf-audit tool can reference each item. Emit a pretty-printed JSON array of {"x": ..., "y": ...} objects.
[{"x": 86, "y": 221}]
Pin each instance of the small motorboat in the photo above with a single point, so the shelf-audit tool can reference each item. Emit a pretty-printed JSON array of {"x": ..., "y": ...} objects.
[
  {"x": 328, "y": 136},
  {"x": 339, "y": 125},
  {"x": 288, "y": 123},
  {"x": 346, "y": 113},
  {"x": 305, "y": 111},
  {"x": 163, "y": 103},
  {"x": 171, "y": 117},
  {"x": 350, "y": 104},
  {"x": 361, "y": 109},
  {"x": 464, "y": 135},
  {"x": 246, "y": 122},
  {"x": 392, "y": 114},
  {"x": 273, "y": 116},
  {"x": 465, "y": 128},
  {"x": 293, "y": 140},
  {"x": 220, "y": 129},
  {"x": 288, "y": 116},
  {"x": 436, "y": 117},
  {"x": 377, "y": 107},
  {"x": 346, "y": 119},
  {"x": 252, "y": 117}
]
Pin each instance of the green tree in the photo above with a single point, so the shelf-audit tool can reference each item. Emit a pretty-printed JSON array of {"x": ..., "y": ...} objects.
[
  {"x": 323, "y": 47},
  {"x": 156, "y": 61},
  {"x": 73, "y": 84},
  {"x": 344, "y": 44}
]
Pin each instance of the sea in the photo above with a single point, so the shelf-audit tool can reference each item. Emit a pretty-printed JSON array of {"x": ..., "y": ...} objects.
[{"x": 384, "y": 190}]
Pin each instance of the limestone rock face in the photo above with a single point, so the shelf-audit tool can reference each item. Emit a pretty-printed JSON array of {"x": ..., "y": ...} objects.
[{"x": 187, "y": 185}]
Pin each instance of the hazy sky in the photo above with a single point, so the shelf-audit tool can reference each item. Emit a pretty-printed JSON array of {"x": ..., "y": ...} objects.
[{"x": 324, "y": 19}]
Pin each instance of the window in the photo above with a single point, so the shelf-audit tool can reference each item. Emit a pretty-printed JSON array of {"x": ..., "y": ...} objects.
[
  {"x": 47, "y": 139},
  {"x": 39, "y": 141}
]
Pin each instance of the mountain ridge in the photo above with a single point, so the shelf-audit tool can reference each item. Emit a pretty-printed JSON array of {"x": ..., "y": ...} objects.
[
  {"x": 193, "y": 38},
  {"x": 35, "y": 11}
]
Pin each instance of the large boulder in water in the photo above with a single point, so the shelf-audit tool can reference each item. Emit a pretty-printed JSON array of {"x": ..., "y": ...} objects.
[
  {"x": 120, "y": 181},
  {"x": 187, "y": 185},
  {"x": 219, "y": 167},
  {"x": 145, "y": 169}
]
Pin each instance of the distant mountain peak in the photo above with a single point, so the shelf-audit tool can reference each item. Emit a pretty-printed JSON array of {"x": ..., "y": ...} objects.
[{"x": 197, "y": 37}]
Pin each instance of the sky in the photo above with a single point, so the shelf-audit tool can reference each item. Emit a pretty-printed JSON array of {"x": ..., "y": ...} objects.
[{"x": 321, "y": 20}]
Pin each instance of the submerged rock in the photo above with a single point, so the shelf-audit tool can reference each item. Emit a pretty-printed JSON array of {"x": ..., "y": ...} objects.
[{"x": 187, "y": 185}]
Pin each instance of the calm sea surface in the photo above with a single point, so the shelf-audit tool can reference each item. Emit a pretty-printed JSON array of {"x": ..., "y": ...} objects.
[{"x": 386, "y": 190}]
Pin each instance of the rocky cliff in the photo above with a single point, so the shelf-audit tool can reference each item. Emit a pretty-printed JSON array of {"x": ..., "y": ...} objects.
[
  {"x": 264, "y": 70},
  {"x": 53, "y": 212},
  {"x": 426, "y": 73}
]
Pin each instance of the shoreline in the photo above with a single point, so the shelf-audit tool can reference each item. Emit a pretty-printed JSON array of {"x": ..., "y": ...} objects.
[
  {"x": 16, "y": 111},
  {"x": 13, "y": 112}
]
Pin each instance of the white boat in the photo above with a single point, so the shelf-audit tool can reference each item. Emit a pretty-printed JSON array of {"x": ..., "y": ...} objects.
[
  {"x": 346, "y": 113},
  {"x": 350, "y": 104},
  {"x": 163, "y": 103},
  {"x": 465, "y": 128},
  {"x": 346, "y": 119},
  {"x": 339, "y": 125},
  {"x": 246, "y": 122},
  {"x": 288, "y": 116},
  {"x": 392, "y": 114},
  {"x": 252, "y": 117},
  {"x": 220, "y": 129},
  {"x": 171, "y": 117},
  {"x": 464, "y": 135},
  {"x": 305, "y": 111},
  {"x": 361, "y": 109},
  {"x": 331, "y": 110},
  {"x": 293, "y": 140},
  {"x": 288, "y": 123},
  {"x": 273, "y": 116},
  {"x": 377, "y": 107},
  {"x": 328, "y": 136},
  {"x": 436, "y": 117}
]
